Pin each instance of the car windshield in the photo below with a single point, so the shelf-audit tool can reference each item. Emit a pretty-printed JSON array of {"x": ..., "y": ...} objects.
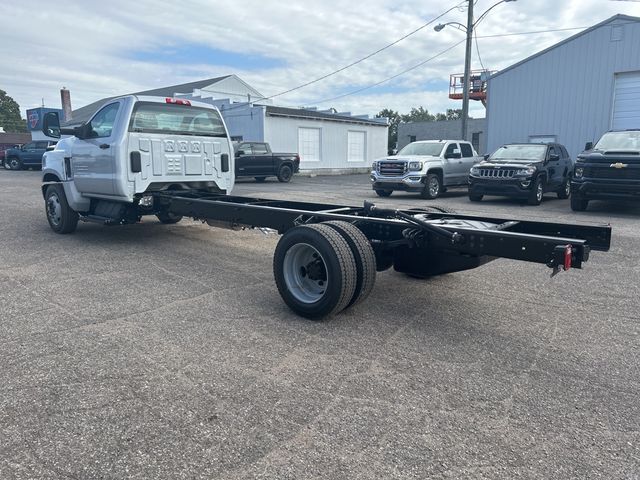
[
  {"x": 619, "y": 141},
  {"x": 176, "y": 119},
  {"x": 520, "y": 153},
  {"x": 430, "y": 149}
]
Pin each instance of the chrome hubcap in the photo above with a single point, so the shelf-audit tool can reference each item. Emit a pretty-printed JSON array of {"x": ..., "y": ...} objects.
[
  {"x": 434, "y": 186},
  {"x": 54, "y": 210},
  {"x": 14, "y": 163},
  {"x": 567, "y": 188},
  {"x": 539, "y": 192},
  {"x": 305, "y": 273}
]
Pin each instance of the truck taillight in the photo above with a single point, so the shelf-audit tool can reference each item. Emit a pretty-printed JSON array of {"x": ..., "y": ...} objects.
[
  {"x": 297, "y": 158},
  {"x": 568, "y": 257},
  {"x": 177, "y": 101}
]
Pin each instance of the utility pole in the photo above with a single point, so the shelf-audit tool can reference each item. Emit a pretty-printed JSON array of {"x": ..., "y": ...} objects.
[{"x": 467, "y": 68}]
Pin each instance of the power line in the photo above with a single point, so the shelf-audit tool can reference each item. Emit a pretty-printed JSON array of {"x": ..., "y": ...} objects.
[{"x": 475, "y": 36}]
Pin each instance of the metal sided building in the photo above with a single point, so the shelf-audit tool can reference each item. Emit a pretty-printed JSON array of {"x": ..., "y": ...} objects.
[
  {"x": 572, "y": 92},
  {"x": 444, "y": 130}
]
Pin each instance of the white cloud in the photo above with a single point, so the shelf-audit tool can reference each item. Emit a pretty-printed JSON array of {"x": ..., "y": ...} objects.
[{"x": 87, "y": 46}]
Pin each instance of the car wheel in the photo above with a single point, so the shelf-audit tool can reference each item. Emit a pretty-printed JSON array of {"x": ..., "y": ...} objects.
[
  {"x": 475, "y": 198},
  {"x": 168, "y": 218},
  {"x": 260, "y": 179},
  {"x": 315, "y": 271},
  {"x": 537, "y": 192},
  {"x": 578, "y": 203},
  {"x": 14, "y": 163},
  {"x": 432, "y": 187},
  {"x": 62, "y": 219},
  {"x": 384, "y": 193},
  {"x": 285, "y": 173},
  {"x": 565, "y": 190}
]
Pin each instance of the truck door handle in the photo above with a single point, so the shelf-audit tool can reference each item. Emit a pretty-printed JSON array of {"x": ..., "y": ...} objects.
[{"x": 104, "y": 146}]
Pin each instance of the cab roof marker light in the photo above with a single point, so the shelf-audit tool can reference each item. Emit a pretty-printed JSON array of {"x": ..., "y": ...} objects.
[{"x": 177, "y": 101}]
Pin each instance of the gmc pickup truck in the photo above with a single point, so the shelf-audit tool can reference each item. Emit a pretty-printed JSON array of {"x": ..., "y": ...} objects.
[
  {"x": 255, "y": 159},
  {"x": 141, "y": 156},
  {"x": 28, "y": 155},
  {"x": 608, "y": 170},
  {"x": 427, "y": 167}
]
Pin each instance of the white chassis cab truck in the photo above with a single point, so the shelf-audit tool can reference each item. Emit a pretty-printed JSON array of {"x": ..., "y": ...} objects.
[{"x": 172, "y": 158}]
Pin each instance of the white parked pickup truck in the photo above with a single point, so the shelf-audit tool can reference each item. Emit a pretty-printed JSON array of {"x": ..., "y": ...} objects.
[
  {"x": 427, "y": 167},
  {"x": 131, "y": 147}
]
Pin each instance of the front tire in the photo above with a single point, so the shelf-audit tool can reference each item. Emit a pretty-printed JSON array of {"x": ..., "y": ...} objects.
[
  {"x": 475, "y": 198},
  {"x": 62, "y": 219},
  {"x": 578, "y": 203},
  {"x": 285, "y": 173},
  {"x": 14, "y": 163},
  {"x": 315, "y": 271},
  {"x": 432, "y": 187},
  {"x": 537, "y": 192},
  {"x": 168, "y": 218}
]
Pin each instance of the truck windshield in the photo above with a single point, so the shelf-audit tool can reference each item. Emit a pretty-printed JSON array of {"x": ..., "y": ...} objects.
[
  {"x": 619, "y": 141},
  {"x": 176, "y": 119},
  {"x": 430, "y": 149},
  {"x": 520, "y": 153}
]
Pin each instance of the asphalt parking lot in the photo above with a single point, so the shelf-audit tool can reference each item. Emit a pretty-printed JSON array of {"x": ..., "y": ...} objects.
[{"x": 152, "y": 351}]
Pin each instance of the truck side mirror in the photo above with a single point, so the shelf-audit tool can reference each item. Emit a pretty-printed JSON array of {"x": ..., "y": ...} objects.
[
  {"x": 588, "y": 146},
  {"x": 83, "y": 131},
  {"x": 554, "y": 157},
  {"x": 51, "y": 125},
  {"x": 486, "y": 156}
]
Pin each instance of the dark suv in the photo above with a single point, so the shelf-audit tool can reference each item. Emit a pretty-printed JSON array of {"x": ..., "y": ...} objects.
[
  {"x": 523, "y": 170},
  {"x": 610, "y": 170},
  {"x": 28, "y": 155}
]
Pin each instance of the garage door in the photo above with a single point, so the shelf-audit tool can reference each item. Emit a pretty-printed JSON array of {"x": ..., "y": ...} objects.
[
  {"x": 626, "y": 101},
  {"x": 309, "y": 144}
]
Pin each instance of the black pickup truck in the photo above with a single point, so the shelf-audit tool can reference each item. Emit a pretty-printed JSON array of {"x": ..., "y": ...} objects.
[
  {"x": 255, "y": 159},
  {"x": 608, "y": 170}
]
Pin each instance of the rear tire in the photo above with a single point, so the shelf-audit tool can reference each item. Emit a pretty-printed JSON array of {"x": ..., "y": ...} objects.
[
  {"x": 285, "y": 173},
  {"x": 315, "y": 271},
  {"x": 475, "y": 198},
  {"x": 565, "y": 189},
  {"x": 537, "y": 192},
  {"x": 364, "y": 257},
  {"x": 578, "y": 203},
  {"x": 168, "y": 218},
  {"x": 260, "y": 179},
  {"x": 432, "y": 187},
  {"x": 62, "y": 219},
  {"x": 384, "y": 193},
  {"x": 14, "y": 163}
]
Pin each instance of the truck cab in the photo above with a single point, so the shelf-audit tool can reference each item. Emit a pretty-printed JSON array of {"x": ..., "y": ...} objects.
[
  {"x": 131, "y": 146},
  {"x": 426, "y": 167}
]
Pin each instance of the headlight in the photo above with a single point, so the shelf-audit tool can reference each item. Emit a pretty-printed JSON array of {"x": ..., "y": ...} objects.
[
  {"x": 474, "y": 171},
  {"x": 374, "y": 166},
  {"x": 579, "y": 171},
  {"x": 415, "y": 166},
  {"x": 526, "y": 171}
]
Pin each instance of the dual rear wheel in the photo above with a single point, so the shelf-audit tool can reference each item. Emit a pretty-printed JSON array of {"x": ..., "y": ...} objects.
[{"x": 322, "y": 269}]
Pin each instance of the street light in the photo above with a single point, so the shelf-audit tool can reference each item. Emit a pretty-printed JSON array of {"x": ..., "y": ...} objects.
[{"x": 467, "y": 57}]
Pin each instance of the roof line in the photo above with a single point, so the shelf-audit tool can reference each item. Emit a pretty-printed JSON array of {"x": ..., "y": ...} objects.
[{"x": 619, "y": 16}]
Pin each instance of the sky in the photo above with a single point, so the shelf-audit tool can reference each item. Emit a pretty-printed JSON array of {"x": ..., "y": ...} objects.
[{"x": 98, "y": 49}]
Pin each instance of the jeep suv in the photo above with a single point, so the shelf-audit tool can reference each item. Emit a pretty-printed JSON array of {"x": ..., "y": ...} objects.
[
  {"x": 523, "y": 170},
  {"x": 610, "y": 170}
]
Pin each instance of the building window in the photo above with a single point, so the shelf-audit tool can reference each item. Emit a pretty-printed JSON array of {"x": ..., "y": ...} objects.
[
  {"x": 309, "y": 144},
  {"x": 412, "y": 138},
  {"x": 356, "y": 142},
  {"x": 236, "y": 138},
  {"x": 542, "y": 138}
]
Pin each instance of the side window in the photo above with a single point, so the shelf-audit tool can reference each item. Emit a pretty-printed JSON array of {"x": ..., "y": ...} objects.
[
  {"x": 30, "y": 146},
  {"x": 466, "y": 150},
  {"x": 451, "y": 148},
  {"x": 41, "y": 145},
  {"x": 259, "y": 149},
  {"x": 102, "y": 122},
  {"x": 552, "y": 151},
  {"x": 246, "y": 148},
  {"x": 564, "y": 152}
]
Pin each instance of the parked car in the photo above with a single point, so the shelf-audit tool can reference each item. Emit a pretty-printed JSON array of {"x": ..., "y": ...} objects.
[
  {"x": 28, "y": 155},
  {"x": 523, "y": 170},
  {"x": 610, "y": 170},
  {"x": 255, "y": 159},
  {"x": 427, "y": 167}
]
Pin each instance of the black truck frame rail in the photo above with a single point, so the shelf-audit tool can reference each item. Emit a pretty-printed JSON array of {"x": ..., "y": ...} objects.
[{"x": 327, "y": 256}]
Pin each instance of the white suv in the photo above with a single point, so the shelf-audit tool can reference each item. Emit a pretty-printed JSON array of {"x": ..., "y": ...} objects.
[{"x": 427, "y": 167}]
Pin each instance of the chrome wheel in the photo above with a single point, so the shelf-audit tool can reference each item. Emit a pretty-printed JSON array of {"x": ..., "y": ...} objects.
[
  {"x": 14, "y": 164},
  {"x": 434, "y": 186},
  {"x": 305, "y": 273},
  {"x": 539, "y": 192},
  {"x": 54, "y": 209},
  {"x": 567, "y": 188}
]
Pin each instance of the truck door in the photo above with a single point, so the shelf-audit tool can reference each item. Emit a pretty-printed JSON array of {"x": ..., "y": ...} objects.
[
  {"x": 30, "y": 153},
  {"x": 93, "y": 162},
  {"x": 468, "y": 159},
  {"x": 243, "y": 159},
  {"x": 262, "y": 160},
  {"x": 453, "y": 165},
  {"x": 555, "y": 168}
]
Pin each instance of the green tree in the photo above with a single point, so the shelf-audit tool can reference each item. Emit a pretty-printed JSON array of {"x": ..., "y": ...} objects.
[
  {"x": 419, "y": 114},
  {"x": 451, "y": 114},
  {"x": 394, "y": 119},
  {"x": 10, "y": 118}
]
